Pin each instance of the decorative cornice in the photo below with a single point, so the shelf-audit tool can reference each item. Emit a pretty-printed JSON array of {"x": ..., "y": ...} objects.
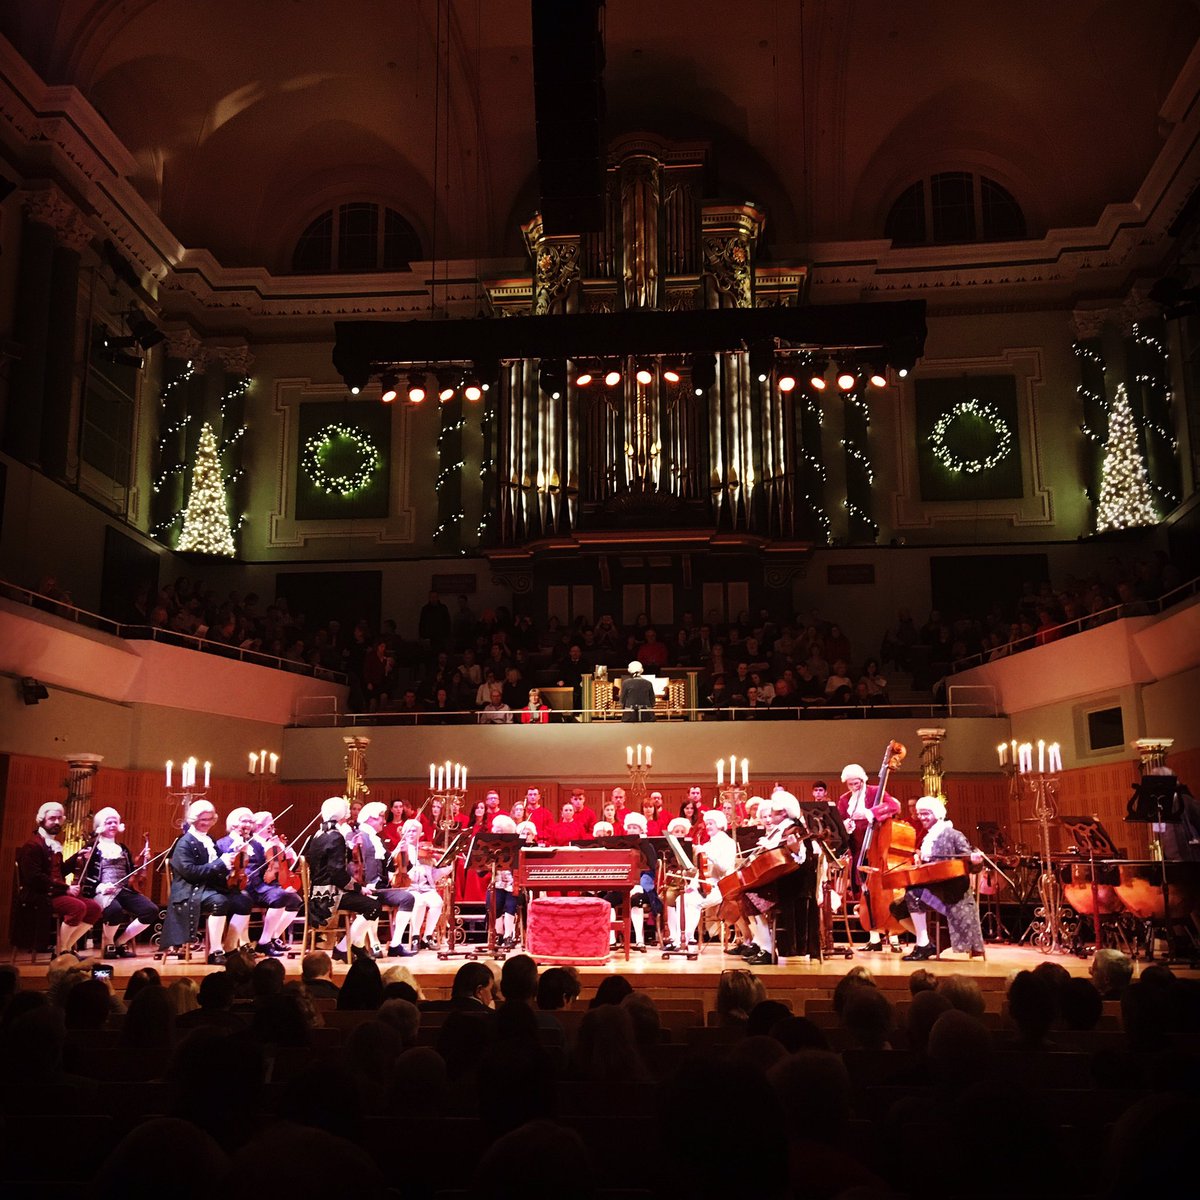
[
  {"x": 1087, "y": 323},
  {"x": 49, "y": 206},
  {"x": 236, "y": 359}
]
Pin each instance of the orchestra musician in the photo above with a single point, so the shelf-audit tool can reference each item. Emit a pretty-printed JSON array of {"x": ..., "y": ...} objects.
[
  {"x": 859, "y": 806},
  {"x": 200, "y": 888},
  {"x": 44, "y": 895},
  {"x": 953, "y": 898},
  {"x": 791, "y": 899},
  {"x": 283, "y": 904},
  {"x": 720, "y": 854},
  {"x": 685, "y": 889},
  {"x": 423, "y": 879},
  {"x": 334, "y": 886},
  {"x": 391, "y": 893},
  {"x": 105, "y": 874},
  {"x": 504, "y": 890},
  {"x": 529, "y": 831},
  {"x": 645, "y": 894}
]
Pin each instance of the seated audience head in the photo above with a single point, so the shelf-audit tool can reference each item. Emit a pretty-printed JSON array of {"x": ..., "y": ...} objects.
[
  {"x": 738, "y": 991},
  {"x": 606, "y": 1046},
  {"x": 315, "y": 965},
  {"x": 87, "y": 1005},
  {"x": 799, "y": 1033},
  {"x": 1111, "y": 972},
  {"x": 1080, "y": 1005},
  {"x": 474, "y": 980},
  {"x": 964, "y": 993},
  {"x": 150, "y": 1021},
  {"x": 1032, "y": 1005},
  {"x": 405, "y": 1017},
  {"x": 153, "y": 1150},
  {"x": 959, "y": 1050},
  {"x": 519, "y": 979},
  {"x": 867, "y": 1018},
  {"x": 143, "y": 977},
  {"x": 612, "y": 990},
  {"x": 924, "y": 1010},
  {"x": 765, "y": 1015},
  {"x": 507, "y": 1172},
  {"x": 814, "y": 1094},
  {"x": 362, "y": 989},
  {"x": 217, "y": 992},
  {"x": 856, "y": 977},
  {"x": 558, "y": 987}
]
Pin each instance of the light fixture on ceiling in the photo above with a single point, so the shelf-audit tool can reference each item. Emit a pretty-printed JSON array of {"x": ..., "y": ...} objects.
[
  {"x": 417, "y": 390},
  {"x": 447, "y": 382},
  {"x": 389, "y": 386},
  {"x": 846, "y": 378},
  {"x": 816, "y": 374},
  {"x": 704, "y": 372}
]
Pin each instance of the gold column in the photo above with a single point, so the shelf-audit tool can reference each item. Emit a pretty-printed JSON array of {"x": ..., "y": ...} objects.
[
  {"x": 82, "y": 770},
  {"x": 356, "y": 769},
  {"x": 931, "y": 762}
]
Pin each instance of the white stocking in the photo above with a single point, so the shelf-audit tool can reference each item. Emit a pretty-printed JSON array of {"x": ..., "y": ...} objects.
[
  {"x": 69, "y": 935},
  {"x": 400, "y": 922},
  {"x": 508, "y": 925},
  {"x": 131, "y": 931},
  {"x": 216, "y": 933},
  {"x": 762, "y": 934},
  {"x": 920, "y": 923},
  {"x": 359, "y": 928},
  {"x": 637, "y": 918},
  {"x": 110, "y": 934},
  {"x": 239, "y": 927}
]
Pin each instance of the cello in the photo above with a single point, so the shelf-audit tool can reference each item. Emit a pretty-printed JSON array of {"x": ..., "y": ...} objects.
[{"x": 887, "y": 846}]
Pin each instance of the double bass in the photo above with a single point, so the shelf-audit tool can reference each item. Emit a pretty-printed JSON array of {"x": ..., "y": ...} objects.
[{"x": 887, "y": 846}]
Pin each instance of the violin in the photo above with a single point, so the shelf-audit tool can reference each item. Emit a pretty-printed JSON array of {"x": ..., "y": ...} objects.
[
  {"x": 887, "y": 846},
  {"x": 400, "y": 876},
  {"x": 278, "y": 869},
  {"x": 139, "y": 878},
  {"x": 237, "y": 878},
  {"x": 356, "y": 866}
]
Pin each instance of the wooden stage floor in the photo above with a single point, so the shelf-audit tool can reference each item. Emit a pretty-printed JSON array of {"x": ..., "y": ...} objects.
[{"x": 651, "y": 972}]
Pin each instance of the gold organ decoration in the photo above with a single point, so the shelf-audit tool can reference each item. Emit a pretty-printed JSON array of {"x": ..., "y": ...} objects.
[
  {"x": 356, "y": 769},
  {"x": 82, "y": 769}
]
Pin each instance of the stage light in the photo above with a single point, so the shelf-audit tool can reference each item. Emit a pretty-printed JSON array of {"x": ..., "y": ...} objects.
[
  {"x": 612, "y": 378},
  {"x": 787, "y": 382},
  {"x": 584, "y": 378},
  {"x": 816, "y": 377},
  {"x": 671, "y": 374},
  {"x": 416, "y": 387},
  {"x": 877, "y": 374},
  {"x": 846, "y": 379},
  {"x": 472, "y": 388},
  {"x": 143, "y": 329},
  {"x": 447, "y": 382},
  {"x": 644, "y": 375},
  {"x": 704, "y": 372},
  {"x": 762, "y": 359},
  {"x": 389, "y": 386},
  {"x": 552, "y": 377}
]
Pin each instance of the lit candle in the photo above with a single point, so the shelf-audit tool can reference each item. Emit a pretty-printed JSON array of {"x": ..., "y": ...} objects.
[
  {"x": 253, "y": 761},
  {"x": 732, "y": 771},
  {"x": 1055, "y": 757},
  {"x": 457, "y": 775},
  {"x": 639, "y": 754},
  {"x": 745, "y": 771},
  {"x": 629, "y": 756},
  {"x": 274, "y": 763},
  {"x": 170, "y": 764},
  {"x": 432, "y": 775},
  {"x": 1002, "y": 751},
  {"x": 464, "y": 779},
  {"x": 648, "y": 754},
  {"x": 447, "y": 779},
  {"x": 1013, "y": 746},
  {"x": 1041, "y": 756},
  {"x": 1026, "y": 757},
  {"x": 720, "y": 771},
  {"x": 262, "y": 760},
  {"x": 440, "y": 786},
  {"x": 207, "y": 773}
]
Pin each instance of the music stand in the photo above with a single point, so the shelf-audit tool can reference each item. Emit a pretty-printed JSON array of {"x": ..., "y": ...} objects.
[
  {"x": 450, "y": 858},
  {"x": 1157, "y": 802},
  {"x": 492, "y": 852}
]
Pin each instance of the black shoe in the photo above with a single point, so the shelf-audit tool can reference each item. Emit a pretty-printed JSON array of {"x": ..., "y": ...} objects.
[
  {"x": 337, "y": 955},
  {"x": 216, "y": 958},
  {"x": 111, "y": 951},
  {"x": 399, "y": 951},
  {"x": 749, "y": 950},
  {"x": 269, "y": 949},
  {"x": 920, "y": 953},
  {"x": 872, "y": 948},
  {"x": 669, "y": 947},
  {"x": 761, "y": 959},
  {"x": 640, "y": 947}
]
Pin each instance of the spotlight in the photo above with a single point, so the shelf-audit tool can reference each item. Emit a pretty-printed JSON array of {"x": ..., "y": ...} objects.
[
  {"x": 902, "y": 354},
  {"x": 644, "y": 375},
  {"x": 816, "y": 378},
  {"x": 671, "y": 374},
  {"x": 584, "y": 378},
  {"x": 32, "y": 691},
  {"x": 487, "y": 371},
  {"x": 877, "y": 374},
  {"x": 389, "y": 385},
  {"x": 446, "y": 384},
  {"x": 762, "y": 359},
  {"x": 846, "y": 379},
  {"x": 552, "y": 377},
  {"x": 472, "y": 388},
  {"x": 356, "y": 379},
  {"x": 612, "y": 378},
  {"x": 416, "y": 387},
  {"x": 704, "y": 372},
  {"x": 143, "y": 329},
  {"x": 787, "y": 382}
]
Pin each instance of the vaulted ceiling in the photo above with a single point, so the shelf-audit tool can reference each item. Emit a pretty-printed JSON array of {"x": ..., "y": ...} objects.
[{"x": 246, "y": 118}]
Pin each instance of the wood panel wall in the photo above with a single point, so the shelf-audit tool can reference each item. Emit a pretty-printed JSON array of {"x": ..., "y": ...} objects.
[{"x": 26, "y": 782}]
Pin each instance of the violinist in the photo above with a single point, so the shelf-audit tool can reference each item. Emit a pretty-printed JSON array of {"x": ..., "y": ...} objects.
[
  {"x": 685, "y": 888},
  {"x": 859, "y": 806},
  {"x": 44, "y": 896},
  {"x": 423, "y": 880},
  {"x": 528, "y": 832},
  {"x": 787, "y": 907},
  {"x": 953, "y": 898},
  {"x": 391, "y": 893},
  {"x": 334, "y": 885},
  {"x": 105, "y": 871},
  {"x": 645, "y": 895},
  {"x": 239, "y": 829},
  {"x": 200, "y": 888},
  {"x": 266, "y": 854}
]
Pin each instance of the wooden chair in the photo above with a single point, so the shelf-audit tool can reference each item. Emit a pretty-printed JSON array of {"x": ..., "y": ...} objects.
[
  {"x": 51, "y": 929},
  {"x": 337, "y": 927}
]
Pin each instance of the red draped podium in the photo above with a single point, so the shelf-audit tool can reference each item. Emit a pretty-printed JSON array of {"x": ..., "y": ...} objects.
[{"x": 568, "y": 930}]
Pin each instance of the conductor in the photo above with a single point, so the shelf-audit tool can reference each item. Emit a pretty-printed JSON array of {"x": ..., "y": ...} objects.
[{"x": 637, "y": 695}]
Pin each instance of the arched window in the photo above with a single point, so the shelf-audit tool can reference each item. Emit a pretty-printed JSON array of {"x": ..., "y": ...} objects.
[
  {"x": 954, "y": 206},
  {"x": 356, "y": 237}
]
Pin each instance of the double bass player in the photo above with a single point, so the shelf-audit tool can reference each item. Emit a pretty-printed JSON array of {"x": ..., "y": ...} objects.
[{"x": 861, "y": 806}]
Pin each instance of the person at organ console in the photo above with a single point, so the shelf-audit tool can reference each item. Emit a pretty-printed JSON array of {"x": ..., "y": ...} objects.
[
  {"x": 859, "y": 806},
  {"x": 637, "y": 695},
  {"x": 953, "y": 898}
]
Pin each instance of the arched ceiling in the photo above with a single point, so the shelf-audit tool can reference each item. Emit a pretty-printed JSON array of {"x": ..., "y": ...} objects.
[{"x": 241, "y": 114}]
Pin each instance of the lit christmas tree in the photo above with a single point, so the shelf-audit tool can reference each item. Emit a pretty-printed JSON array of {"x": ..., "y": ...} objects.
[
  {"x": 1126, "y": 501},
  {"x": 206, "y": 520}
]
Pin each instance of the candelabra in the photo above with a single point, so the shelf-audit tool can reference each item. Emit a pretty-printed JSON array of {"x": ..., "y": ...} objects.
[
  {"x": 263, "y": 766},
  {"x": 1050, "y": 931},
  {"x": 189, "y": 790},
  {"x": 732, "y": 794},
  {"x": 447, "y": 793},
  {"x": 639, "y": 772}
]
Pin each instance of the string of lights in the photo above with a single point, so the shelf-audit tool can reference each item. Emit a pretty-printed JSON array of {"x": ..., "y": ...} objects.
[
  {"x": 1157, "y": 401},
  {"x": 331, "y": 439},
  {"x": 1126, "y": 499},
  {"x": 860, "y": 472},
  {"x": 983, "y": 412}
]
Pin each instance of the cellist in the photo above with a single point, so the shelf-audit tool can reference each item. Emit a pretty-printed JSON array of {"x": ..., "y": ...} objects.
[
  {"x": 859, "y": 807},
  {"x": 953, "y": 898}
]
